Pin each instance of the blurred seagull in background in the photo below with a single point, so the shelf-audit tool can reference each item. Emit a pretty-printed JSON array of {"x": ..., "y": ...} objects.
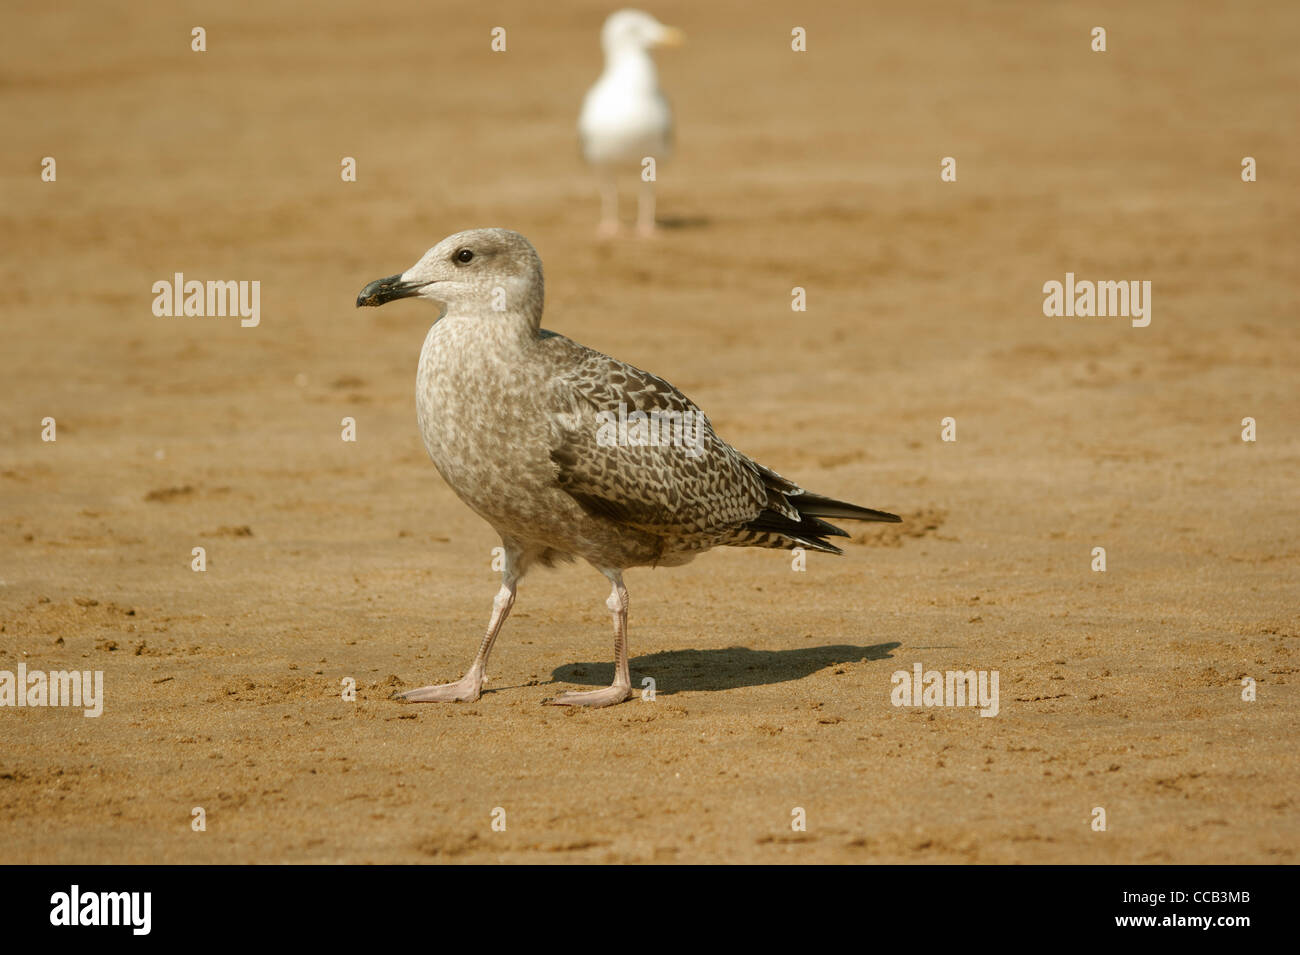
[
  {"x": 547, "y": 440},
  {"x": 625, "y": 116}
]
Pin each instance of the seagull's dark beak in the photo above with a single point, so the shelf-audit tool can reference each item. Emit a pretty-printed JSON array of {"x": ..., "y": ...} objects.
[{"x": 381, "y": 291}]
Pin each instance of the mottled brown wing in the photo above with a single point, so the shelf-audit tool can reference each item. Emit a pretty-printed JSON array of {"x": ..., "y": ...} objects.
[{"x": 667, "y": 473}]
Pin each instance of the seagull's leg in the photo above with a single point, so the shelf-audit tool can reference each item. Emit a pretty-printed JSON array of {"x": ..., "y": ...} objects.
[
  {"x": 608, "y": 205},
  {"x": 622, "y": 686},
  {"x": 468, "y": 687},
  {"x": 645, "y": 210}
]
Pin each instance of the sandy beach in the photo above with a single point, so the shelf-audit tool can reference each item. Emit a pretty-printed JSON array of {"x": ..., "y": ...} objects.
[{"x": 332, "y": 563}]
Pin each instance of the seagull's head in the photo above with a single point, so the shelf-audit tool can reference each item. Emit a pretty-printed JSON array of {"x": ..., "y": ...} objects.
[
  {"x": 636, "y": 30},
  {"x": 480, "y": 270}
]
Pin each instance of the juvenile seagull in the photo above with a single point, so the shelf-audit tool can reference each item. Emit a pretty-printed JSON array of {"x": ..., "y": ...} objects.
[
  {"x": 625, "y": 117},
  {"x": 534, "y": 432}
]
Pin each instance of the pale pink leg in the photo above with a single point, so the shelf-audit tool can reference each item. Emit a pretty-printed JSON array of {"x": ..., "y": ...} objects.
[
  {"x": 468, "y": 687},
  {"x": 608, "y": 206},
  {"x": 622, "y": 686}
]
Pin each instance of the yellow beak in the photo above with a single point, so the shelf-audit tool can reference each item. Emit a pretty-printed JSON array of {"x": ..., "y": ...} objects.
[{"x": 671, "y": 37}]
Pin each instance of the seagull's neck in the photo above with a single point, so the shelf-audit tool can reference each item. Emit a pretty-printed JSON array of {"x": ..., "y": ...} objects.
[
  {"x": 632, "y": 67},
  {"x": 505, "y": 333}
]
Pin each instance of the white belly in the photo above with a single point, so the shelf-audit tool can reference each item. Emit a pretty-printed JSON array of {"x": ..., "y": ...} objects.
[{"x": 619, "y": 125}]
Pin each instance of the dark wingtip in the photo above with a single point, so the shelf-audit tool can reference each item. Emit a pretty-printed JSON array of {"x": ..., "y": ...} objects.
[{"x": 818, "y": 505}]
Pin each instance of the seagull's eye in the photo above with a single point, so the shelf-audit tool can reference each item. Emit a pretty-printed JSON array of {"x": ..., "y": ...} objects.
[{"x": 464, "y": 255}]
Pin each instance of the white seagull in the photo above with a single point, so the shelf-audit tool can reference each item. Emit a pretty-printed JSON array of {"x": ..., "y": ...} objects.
[{"x": 625, "y": 117}]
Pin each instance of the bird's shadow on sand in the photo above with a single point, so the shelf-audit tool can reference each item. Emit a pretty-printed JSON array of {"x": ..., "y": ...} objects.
[
  {"x": 682, "y": 222},
  {"x": 675, "y": 671}
]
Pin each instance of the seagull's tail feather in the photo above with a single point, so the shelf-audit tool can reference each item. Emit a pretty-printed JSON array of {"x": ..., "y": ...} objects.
[
  {"x": 771, "y": 529},
  {"x": 793, "y": 517},
  {"x": 818, "y": 505},
  {"x": 815, "y": 505}
]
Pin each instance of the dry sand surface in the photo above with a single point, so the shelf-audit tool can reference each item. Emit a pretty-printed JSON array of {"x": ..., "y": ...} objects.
[{"x": 329, "y": 560}]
